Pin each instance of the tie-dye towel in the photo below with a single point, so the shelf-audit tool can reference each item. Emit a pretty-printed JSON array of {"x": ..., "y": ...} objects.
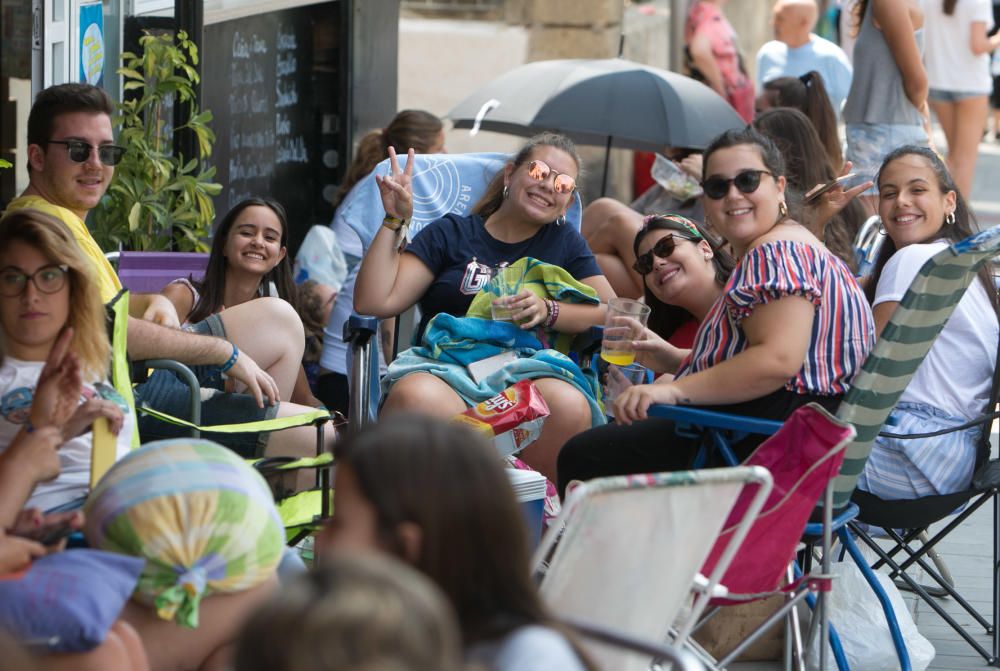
[{"x": 451, "y": 343}]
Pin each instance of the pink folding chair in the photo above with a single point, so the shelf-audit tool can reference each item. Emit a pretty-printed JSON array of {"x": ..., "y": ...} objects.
[{"x": 803, "y": 457}]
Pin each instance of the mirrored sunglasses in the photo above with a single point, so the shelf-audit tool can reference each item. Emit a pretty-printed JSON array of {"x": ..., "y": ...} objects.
[
  {"x": 540, "y": 171},
  {"x": 79, "y": 151},
  {"x": 663, "y": 248},
  {"x": 746, "y": 181}
]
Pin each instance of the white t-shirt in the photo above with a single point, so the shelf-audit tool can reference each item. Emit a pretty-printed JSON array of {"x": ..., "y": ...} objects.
[
  {"x": 957, "y": 374},
  {"x": 527, "y": 648},
  {"x": 775, "y": 59},
  {"x": 17, "y": 387},
  {"x": 951, "y": 65}
]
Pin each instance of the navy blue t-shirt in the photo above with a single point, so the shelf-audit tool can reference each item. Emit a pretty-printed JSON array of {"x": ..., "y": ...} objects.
[{"x": 460, "y": 252}]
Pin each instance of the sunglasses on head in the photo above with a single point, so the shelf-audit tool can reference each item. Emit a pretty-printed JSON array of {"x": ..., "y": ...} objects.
[
  {"x": 663, "y": 248},
  {"x": 540, "y": 171},
  {"x": 79, "y": 151},
  {"x": 747, "y": 181}
]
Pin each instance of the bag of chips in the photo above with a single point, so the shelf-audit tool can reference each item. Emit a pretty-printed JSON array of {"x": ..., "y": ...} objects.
[{"x": 513, "y": 418}]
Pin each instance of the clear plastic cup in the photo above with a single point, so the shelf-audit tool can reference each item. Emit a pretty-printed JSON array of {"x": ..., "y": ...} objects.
[
  {"x": 505, "y": 283},
  {"x": 619, "y": 379},
  {"x": 625, "y": 323}
]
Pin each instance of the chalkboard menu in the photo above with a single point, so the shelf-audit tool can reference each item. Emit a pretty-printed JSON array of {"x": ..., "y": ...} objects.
[{"x": 277, "y": 85}]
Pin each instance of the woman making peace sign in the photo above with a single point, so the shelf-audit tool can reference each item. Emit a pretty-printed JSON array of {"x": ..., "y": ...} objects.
[{"x": 449, "y": 260}]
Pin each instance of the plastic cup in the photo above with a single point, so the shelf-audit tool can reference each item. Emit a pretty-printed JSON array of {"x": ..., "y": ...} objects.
[
  {"x": 625, "y": 323},
  {"x": 619, "y": 379},
  {"x": 504, "y": 284}
]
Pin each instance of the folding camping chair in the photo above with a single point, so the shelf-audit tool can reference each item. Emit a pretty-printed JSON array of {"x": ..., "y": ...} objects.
[
  {"x": 903, "y": 344},
  {"x": 442, "y": 184},
  {"x": 301, "y": 511},
  {"x": 613, "y": 535}
]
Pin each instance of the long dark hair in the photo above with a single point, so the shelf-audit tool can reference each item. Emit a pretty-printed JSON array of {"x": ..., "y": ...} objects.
[
  {"x": 948, "y": 6},
  {"x": 809, "y": 165},
  {"x": 448, "y": 481},
  {"x": 963, "y": 227},
  {"x": 410, "y": 128},
  {"x": 664, "y": 318},
  {"x": 212, "y": 288},
  {"x": 808, "y": 94},
  {"x": 492, "y": 199}
]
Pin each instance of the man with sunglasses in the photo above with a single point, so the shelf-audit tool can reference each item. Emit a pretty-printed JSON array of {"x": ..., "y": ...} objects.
[{"x": 71, "y": 162}]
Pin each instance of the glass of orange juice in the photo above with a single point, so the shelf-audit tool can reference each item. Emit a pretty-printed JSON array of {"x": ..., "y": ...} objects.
[{"x": 625, "y": 323}]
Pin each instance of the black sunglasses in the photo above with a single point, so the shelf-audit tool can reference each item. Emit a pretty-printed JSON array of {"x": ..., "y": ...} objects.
[
  {"x": 747, "y": 181},
  {"x": 663, "y": 248},
  {"x": 79, "y": 151}
]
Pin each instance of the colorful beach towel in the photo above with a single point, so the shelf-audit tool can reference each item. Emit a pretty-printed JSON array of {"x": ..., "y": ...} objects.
[
  {"x": 203, "y": 519},
  {"x": 451, "y": 343}
]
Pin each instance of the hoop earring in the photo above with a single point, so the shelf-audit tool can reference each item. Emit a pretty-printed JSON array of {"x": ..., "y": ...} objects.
[
  {"x": 782, "y": 210},
  {"x": 949, "y": 219},
  {"x": 505, "y": 191},
  {"x": 560, "y": 220}
]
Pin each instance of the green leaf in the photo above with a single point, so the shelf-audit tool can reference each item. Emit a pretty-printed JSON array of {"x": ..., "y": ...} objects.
[{"x": 133, "y": 217}]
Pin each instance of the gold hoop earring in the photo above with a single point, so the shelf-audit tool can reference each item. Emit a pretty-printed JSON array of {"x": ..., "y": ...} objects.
[{"x": 782, "y": 209}]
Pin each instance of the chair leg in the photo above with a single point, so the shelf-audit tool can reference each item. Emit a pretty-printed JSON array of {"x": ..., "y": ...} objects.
[
  {"x": 793, "y": 633},
  {"x": 942, "y": 569},
  {"x": 890, "y": 614},
  {"x": 932, "y": 602}
]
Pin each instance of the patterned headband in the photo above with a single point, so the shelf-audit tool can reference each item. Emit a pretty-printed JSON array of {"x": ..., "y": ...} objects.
[{"x": 677, "y": 219}]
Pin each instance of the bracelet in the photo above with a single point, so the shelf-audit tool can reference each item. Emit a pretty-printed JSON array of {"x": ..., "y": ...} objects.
[
  {"x": 553, "y": 307},
  {"x": 231, "y": 361},
  {"x": 393, "y": 223}
]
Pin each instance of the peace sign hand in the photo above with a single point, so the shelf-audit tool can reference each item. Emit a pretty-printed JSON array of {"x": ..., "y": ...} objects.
[{"x": 396, "y": 188}]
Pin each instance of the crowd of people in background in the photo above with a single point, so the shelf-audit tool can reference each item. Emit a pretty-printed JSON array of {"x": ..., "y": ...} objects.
[{"x": 747, "y": 263}]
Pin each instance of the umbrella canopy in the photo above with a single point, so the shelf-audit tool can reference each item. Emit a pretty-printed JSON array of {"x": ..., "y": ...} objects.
[{"x": 635, "y": 105}]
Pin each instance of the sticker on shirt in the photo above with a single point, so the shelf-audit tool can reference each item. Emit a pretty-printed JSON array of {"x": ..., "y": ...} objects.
[
  {"x": 477, "y": 275},
  {"x": 109, "y": 393},
  {"x": 15, "y": 405}
]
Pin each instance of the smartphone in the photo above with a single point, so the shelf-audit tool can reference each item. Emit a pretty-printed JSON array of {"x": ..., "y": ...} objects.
[
  {"x": 818, "y": 191},
  {"x": 50, "y": 535}
]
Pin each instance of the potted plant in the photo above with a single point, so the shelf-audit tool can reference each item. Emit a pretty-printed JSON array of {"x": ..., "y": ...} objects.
[{"x": 159, "y": 200}]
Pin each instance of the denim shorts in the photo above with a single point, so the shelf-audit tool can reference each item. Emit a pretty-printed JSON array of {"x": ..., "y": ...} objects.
[
  {"x": 869, "y": 143},
  {"x": 166, "y": 392},
  {"x": 942, "y": 96}
]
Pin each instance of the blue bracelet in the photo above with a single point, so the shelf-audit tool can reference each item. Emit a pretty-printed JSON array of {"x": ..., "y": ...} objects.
[{"x": 231, "y": 361}]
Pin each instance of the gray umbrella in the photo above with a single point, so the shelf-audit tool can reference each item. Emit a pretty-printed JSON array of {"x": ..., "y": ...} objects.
[
  {"x": 610, "y": 102},
  {"x": 637, "y": 106}
]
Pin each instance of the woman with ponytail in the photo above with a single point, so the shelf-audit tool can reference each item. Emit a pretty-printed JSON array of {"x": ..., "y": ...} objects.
[{"x": 807, "y": 94}]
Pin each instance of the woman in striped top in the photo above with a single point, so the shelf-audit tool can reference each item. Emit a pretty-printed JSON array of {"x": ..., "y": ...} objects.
[{"x": 791, "y": 327}]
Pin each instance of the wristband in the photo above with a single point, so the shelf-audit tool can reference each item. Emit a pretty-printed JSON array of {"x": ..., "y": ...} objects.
[
  {"x": 553, "y": 313},
  {"x": 393, "y": 223},
  {"x": 231, "y": 361}
]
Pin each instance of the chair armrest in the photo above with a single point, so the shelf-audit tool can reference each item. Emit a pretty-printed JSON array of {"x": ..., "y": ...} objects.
[
  {"x": 188, "y": 377},
  {"x": 358, "y": 328},
  {"x": 685, "y": 416}
]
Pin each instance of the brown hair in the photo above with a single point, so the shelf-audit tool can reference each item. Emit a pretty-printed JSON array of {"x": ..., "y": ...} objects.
[
  {"x": 64, "y": 99},
  {"x": 449, "y": 482},
  {"x": 410, "y": 128},
  {"x": 357, "y": 612},
  {"x": 86, "y": 310},
  {"x": 808, "y": 94},
  {"x": 492, "y": 199}
]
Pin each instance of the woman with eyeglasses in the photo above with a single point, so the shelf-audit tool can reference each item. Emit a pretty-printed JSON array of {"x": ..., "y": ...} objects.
[
  {"x": 792, "y": 326},
  {"x": 449, "y": 261},
  {"x": 46, "y": 288}
]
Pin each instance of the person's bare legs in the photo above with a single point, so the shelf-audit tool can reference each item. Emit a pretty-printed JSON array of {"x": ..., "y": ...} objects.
[
  {"x": 610, "y": 227},
  {"x": 270, "y": 332},
  {"x": 963, "y": 147},
  {"x": 425, "y": 394},
  {"x": 171, "y": 647},
  {"x": 569, "y": 414}
]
